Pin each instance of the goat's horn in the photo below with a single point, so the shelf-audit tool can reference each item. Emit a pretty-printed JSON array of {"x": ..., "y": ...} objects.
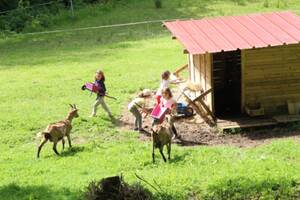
[
  {"x": 71, "y": 105},
  {"x": 75, "y": 106}
]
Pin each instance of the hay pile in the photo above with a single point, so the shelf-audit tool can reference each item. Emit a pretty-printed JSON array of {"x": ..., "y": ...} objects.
[{"x": 115, "y": 188}]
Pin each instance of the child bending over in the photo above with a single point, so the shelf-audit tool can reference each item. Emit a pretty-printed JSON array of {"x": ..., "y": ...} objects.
[{"x": 141, "y": 102}]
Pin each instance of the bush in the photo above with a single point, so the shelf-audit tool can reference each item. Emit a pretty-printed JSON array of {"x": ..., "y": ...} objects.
[
  {"x": 266, "y": 4},
  {"x": 29, "y": 18},
  {"x": 25, "y": 17},
  {"x": 17, "y": 19},
  {"x": 114, "y": 188},
  {"x": 158, "y": 3},
  {"x": 241, "y": 2}
]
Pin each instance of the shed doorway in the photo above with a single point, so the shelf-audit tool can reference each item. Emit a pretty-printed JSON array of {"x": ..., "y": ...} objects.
[{"x": 227, "y": 83}]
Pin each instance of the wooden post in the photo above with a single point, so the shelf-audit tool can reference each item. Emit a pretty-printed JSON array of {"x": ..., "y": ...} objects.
[
  {"x": 72, "y": 8},
  {"x": 243, "y": 60}
]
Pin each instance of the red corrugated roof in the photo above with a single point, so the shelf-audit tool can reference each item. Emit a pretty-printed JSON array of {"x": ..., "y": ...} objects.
[{"x": 237, "y": 32}]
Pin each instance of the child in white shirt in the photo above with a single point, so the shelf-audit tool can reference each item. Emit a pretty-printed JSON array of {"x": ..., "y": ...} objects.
[{"x": 141, "y": 102}]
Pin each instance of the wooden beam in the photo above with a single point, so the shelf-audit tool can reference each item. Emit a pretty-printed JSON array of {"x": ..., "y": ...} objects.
[
  {"x": 177, "y": 71},
  {"x": 212, "y": 84},
  {"x": 243, "y": 59},
  {"x": 195, "y": 106},
  {"x": 203, "y": 94},
  {"x": 206, "y": 108}
]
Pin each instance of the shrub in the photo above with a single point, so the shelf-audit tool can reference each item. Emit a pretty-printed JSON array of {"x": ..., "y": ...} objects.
[
  {"x": 266, "y": 4},
  {"x": 158, "y": 3},
  {"x": 241, "y": 2},
  {"x": 115, "y": 188},
  {"x": 17, "y": 19}
]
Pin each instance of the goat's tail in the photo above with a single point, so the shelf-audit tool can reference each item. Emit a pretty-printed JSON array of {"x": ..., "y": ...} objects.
[{"x": 43, "y": 134}]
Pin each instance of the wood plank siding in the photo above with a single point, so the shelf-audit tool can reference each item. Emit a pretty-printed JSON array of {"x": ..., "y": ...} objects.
[
  {"x": 271, "y": 77},
  {"x": 201, "y": 72}
]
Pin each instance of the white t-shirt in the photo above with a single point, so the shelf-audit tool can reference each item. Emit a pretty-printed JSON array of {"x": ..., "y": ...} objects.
[
  {"x": 163, "y": 85},
  {"x": 139, "y": 101}
]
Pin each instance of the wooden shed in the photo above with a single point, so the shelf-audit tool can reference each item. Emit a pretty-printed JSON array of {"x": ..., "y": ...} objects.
[{"x": 250, "y": 63}]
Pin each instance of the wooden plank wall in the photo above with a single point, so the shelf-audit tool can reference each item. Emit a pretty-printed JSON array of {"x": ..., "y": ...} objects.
[
  {"x": 271, "y": 76},
  {"x": 202, "y": 72}
]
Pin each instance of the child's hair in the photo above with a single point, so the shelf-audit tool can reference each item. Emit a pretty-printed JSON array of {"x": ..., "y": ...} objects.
[
  {"x": 165, "y": 74},
  {"x": 102, "y": 74},
  {"x": 168, "y": 91}
]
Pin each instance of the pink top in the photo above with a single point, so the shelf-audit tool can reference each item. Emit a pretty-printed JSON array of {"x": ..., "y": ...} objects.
[
  {"x": 159, "y": 111},
  {"x": 168, "y": 103}
]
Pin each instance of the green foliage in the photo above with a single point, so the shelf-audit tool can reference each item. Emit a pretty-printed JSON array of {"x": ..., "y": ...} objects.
[
  {"x": 266, "y": 4},
  {"x": 25, "y": 17},
  {"x": 116, "y": 188},
  {"x": 248, "y": 188},
  {"x": 241, "y": 2},
  {"x": 8, "y": 5},
  {"x": 158, "y": 3}
]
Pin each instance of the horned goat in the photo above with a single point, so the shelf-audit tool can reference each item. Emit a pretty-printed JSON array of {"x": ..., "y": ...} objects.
[{"x": 57, "y": 131}]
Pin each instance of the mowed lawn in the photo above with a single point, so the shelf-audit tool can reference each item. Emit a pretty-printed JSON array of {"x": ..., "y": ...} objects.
[{"x": 40, "y": 75}]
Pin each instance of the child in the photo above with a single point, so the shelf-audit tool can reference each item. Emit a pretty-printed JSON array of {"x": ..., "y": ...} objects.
[
  {"x": 99, "y": 82},
  {"x": 139, "y": 103},
  {"x": 163, "y": 84},
  {"x": 167, "y": 100}
]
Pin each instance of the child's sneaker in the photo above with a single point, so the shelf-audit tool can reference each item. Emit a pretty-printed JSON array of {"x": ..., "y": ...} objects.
[{"x": 136, "y": 129}]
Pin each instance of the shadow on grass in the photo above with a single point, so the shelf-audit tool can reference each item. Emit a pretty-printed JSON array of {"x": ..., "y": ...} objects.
[
  {"x": 272, "y": 132},
  {"x": 183, "y": 142},
  {"x": 72, "y": 151},
  {"x": 175, "y": 158},
  {"x": 248, "y": 188},
  {"x": 179, "y": 157},
  {"x": 16, "y": 192}
]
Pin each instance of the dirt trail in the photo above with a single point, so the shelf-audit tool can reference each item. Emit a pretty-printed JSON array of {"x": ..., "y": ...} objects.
[{"x": 194, "y": 132}]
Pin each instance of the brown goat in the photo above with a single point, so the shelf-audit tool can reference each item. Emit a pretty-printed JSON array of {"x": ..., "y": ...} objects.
[
  {"x": 161, "y": 136},
  {"x": 57, "y": 131}
]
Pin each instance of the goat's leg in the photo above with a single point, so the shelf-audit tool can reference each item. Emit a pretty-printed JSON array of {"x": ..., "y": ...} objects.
[
  {"x": 162, "y": 153},
  {"x": 169, "y": 150},
  {"x": 54, "y": 148},
  {"x": 40, "y": 146},
  {"x": 63, "y": 143},
  {"x": 69, "y": 140},
  {"x": 153, "y": 155}
]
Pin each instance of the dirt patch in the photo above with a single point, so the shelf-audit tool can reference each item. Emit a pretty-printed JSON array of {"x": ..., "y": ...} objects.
[{"x": 194, "y": 131}]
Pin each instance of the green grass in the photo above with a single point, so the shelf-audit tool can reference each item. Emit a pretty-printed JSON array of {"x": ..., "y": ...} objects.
[{"x": 40, "y": 75}]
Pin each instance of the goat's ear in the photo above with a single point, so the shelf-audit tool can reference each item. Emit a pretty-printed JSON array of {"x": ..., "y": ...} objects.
[{"x": 71, "y": 105}]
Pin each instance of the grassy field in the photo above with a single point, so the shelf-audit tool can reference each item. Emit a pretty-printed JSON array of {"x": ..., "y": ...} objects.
[{"x": 41, "y": 74}]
